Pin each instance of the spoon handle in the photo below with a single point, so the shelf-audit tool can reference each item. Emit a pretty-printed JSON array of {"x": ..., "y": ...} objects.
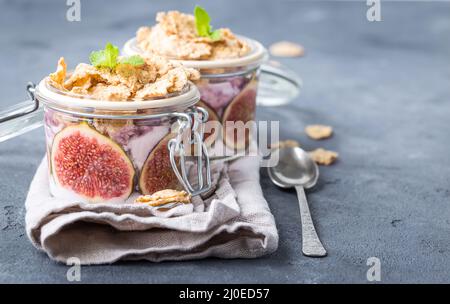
[{"x": 311, "y": 245}]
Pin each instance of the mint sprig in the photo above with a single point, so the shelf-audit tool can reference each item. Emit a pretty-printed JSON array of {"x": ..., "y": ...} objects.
[
  {"x": 109, "y": 58},
  {"x": 106, "y": 58},
  {"x": 202, "y": 23},
  {"x": 135, "y": 60}
]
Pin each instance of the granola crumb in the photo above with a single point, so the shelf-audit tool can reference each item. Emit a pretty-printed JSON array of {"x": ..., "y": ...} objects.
[
  {"x": 318, "y": 131},
  {"x": 286, "y": 49},
  {"x": 289, "y": 143},
  {"x": 323, "y": 157},
  {"x": 165, "y": 196},
  {"x": 59, "y": 76},
  {"x": 111, "y": 92}
]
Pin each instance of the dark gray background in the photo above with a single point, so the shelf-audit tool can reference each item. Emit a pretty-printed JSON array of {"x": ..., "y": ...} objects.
[{"x": 383, "y": 86}]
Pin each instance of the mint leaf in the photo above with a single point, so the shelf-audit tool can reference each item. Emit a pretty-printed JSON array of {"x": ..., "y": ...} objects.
[
  {"x": 202, "y": 23},
  {"x": 97, "y": 58},
  {"x": 215, "y": 35},
  {"x": 109, "y": 58},
  {"x": 105, "y": 58},
  {"x": 111, "y": 52},
  {"x": 135, "y": 60}
]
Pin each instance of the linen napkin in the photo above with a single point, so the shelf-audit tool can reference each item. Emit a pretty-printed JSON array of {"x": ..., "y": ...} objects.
[{"x": 234, "y": 222}]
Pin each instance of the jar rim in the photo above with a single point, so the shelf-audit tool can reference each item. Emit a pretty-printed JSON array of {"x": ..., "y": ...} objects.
[
  {"x": 53, "y": 97},
  {"x": 257, "y": 55}
]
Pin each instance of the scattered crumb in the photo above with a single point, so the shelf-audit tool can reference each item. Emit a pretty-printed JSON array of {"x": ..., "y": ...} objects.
[
  {"x": 323, "y": 157},
  {"x": 286, "y": 49},
  {"x": 164, "y": 197},
  {"x": 318, "y": 131},
  {"x": 290, "y": 143}
]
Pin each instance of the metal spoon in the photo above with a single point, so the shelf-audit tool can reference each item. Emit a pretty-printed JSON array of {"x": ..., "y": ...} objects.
[{"x": 295, "y": 168}]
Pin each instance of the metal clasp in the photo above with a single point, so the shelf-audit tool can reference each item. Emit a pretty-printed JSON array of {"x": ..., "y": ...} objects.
[{"x": 194, "y": 122}]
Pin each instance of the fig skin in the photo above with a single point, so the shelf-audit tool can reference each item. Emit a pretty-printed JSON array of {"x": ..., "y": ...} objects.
[
  {"x": 90, "y": 165},
  {"x": 241, "y": 108},
  {"x": 210, "y": 137},
  {"x": 157, "y": 173}
]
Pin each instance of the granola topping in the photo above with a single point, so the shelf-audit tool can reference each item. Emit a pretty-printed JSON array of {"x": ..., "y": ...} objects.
[
  {"x": 175, "y": 36},
  {"x": 60, "y": 75},
  {"x": 164, "y": 197},
  {"x": 156, "y": 78}
]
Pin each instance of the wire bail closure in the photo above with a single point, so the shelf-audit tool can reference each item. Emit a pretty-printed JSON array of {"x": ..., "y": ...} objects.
[
  {"x": 22, "y": 109},
  {"x": 190, "y": 134}
]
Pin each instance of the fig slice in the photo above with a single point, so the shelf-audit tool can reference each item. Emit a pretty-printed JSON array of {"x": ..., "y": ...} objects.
[
  {"x": 157, "y": 173},
  {"x": 90, "y": 165},
  {"x": 240, "y": 111}
]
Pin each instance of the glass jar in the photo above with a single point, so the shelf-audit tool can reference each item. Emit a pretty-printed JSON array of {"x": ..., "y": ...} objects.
[
  {"x": 229, "y": 90},
  {"x": 107, "y": 152}
]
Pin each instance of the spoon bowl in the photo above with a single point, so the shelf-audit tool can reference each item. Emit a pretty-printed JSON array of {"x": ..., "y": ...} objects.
[{"x": 294, "y": 168}]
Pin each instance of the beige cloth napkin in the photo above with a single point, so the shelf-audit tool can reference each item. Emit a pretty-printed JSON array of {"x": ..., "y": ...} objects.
[{"x": 235, "y": 222}]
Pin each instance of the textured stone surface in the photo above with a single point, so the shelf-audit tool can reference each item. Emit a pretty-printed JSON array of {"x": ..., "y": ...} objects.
[{"x": 384, "y": 87}]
